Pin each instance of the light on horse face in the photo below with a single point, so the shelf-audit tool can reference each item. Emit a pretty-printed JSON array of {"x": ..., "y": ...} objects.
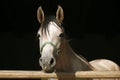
[{"x": 49, "y": 46}]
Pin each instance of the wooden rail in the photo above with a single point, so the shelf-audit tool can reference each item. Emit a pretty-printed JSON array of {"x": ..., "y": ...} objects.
[{"x": 20, "y": 74}]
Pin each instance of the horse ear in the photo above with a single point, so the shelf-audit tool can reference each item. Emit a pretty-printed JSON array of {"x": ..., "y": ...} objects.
[
  {"x": 40, "y": 15},
  {"x": 60, "y": 14}
]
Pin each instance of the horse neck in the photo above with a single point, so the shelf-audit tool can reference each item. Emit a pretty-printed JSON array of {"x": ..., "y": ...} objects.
[
  {"x": 68, "y": 60},
  {"x": 63, "y": 60}
]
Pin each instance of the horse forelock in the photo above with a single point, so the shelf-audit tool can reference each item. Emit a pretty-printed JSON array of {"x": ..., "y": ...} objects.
[{"x": 44, "y": 25}]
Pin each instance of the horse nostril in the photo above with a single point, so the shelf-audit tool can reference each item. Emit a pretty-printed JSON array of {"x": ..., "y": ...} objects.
[{"x": 51, "y": 61}]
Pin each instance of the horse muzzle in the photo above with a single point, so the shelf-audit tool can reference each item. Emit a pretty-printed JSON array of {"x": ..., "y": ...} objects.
[{"x": 47, "y": 64}]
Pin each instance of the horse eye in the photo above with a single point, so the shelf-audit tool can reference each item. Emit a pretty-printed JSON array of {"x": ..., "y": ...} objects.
[
  {"x": 61, "y": 35},
  {"x": 38, "y": 35}
]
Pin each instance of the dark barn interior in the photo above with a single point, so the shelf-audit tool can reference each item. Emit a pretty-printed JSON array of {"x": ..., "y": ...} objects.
[{"x": 92, "y": 27}]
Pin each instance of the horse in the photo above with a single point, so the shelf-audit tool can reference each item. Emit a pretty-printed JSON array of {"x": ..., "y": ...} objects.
[{"x": 56, "y": 53}]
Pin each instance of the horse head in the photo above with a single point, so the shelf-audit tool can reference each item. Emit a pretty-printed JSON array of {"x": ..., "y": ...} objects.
[{"x": 50, "y": 35}]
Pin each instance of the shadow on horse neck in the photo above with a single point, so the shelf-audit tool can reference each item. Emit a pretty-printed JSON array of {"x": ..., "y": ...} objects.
[{"x": 69, "y": 61}]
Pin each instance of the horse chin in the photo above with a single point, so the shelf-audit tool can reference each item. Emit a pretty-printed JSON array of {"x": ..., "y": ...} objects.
[{"x": 49, "y": 70}]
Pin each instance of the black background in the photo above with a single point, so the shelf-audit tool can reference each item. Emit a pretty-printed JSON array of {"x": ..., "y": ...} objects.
[{"x": 92, "y": 27}]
